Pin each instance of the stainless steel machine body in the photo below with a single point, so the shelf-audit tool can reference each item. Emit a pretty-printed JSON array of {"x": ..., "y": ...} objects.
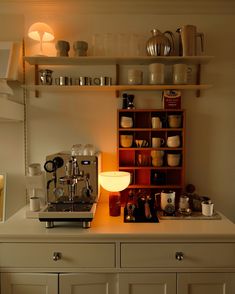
[{"x": 72, "y": 188}]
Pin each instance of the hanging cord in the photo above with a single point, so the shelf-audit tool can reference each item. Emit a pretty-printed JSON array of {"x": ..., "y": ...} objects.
[
  {"x": 25, "y": 112},
  {"x": 25, "y": 119}
]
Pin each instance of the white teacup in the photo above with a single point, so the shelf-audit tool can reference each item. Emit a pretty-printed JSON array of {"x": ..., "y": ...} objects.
[
  {"x": 126, "y": 140},
  {"x": 173, "y": 141},
  {"x": 157, "y": 142},
  {"x": 156, "y": 122}
]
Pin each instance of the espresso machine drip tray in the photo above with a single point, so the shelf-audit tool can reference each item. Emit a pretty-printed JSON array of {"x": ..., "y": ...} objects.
[{"x": 68, "y": 212}]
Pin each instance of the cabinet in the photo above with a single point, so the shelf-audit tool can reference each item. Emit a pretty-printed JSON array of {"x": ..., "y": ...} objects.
[
  {"x": 138, "y": 159},
  {"x": 28, "y": 283},
  {"x": 38, "y": 61},
  {"x": 171, "y": 283},
  {"x": 118, "y": 267}
]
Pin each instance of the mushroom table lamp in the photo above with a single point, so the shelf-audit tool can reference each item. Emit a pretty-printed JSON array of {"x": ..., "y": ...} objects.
[
  {"x": 114, "y": 182},
  {"x": 41, "y": 32}
]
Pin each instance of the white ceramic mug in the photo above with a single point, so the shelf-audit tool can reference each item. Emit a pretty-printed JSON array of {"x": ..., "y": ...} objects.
[
  {"x": 173, "y": 141},
  {"x": 180, "y": 73},
  {"x": 157, "y": 142},
  {"x": 207, "y": 208},
  {"x": 156, "y": 122},
  {"x": 34, "y": 204},
  {"x": 156, "y": 74}
]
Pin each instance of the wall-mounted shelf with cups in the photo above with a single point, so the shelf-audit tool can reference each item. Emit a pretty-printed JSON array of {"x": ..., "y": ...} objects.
[
  {"x": 154, "y": 154},
  {"x": 38, "y": 61}
]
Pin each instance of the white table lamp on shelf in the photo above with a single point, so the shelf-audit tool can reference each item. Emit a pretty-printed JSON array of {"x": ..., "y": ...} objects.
[
  {"x": 41, "y": 32},
  {"x": 114, "y": 182}
]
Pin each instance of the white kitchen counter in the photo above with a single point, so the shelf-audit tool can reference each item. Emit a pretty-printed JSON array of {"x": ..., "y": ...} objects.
[{"x": 105, "y": 228}]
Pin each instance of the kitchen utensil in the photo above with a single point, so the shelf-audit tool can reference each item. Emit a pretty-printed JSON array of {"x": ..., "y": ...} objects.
[
  {"x": 159, "y": 44},
  {"x": 157, "y": 142},
  {"x": 63, "y": 81},
  {"x": 168, "y": 202},
  {"x": 45, "y": 76},
  {"x": 183, "y": 203},
  {"x": 180, "y": 73},
  {"x": 207, "y": 208},
  {"x": 188, "y": 40},
  {"x": 130, "y": 101},
  {"x": 103, "y": 81}
]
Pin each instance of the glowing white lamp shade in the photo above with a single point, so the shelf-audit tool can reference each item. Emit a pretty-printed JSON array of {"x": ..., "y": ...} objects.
[
  {"x": 41, "y": 32},
  {"x": 114, "y": 181}
]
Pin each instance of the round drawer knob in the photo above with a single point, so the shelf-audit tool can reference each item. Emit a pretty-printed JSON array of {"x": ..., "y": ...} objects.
[
  {"x": 56, "y": 256},
  {"x": 179, "y": 256}
]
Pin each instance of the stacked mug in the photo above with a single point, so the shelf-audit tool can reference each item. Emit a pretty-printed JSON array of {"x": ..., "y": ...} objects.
[
  {"x": 156, "y": 74},
  {"x": 157, "y": 157}
]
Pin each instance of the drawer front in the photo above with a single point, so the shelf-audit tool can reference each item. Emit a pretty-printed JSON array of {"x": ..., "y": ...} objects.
[
  {"x": 189, "y": 255},
  {"x": 69, "y": 255}
]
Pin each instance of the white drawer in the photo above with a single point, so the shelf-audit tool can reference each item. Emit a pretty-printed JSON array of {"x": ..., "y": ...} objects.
[
  {"x": 38, "y": 255},
  {"x": 143, "y": 255}
]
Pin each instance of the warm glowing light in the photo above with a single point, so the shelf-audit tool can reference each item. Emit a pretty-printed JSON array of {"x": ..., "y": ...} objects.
[
  {"x": 42, "y": 32},
  {"x": 114, "y": 181}
]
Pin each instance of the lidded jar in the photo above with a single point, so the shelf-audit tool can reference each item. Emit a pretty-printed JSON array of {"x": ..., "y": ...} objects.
[{"x": 159, "y": 44}]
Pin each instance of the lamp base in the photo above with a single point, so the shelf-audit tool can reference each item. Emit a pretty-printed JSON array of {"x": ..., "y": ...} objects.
[{"x": 114, "y": 204}]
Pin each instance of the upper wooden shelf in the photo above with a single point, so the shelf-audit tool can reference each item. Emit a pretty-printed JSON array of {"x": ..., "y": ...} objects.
[
  {"x": 54, "y": 88},
  {"x": 103, "y": 60}
]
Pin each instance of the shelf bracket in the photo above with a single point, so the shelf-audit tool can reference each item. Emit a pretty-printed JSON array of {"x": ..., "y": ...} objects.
[
  {"x": 36, "y": 78},
  {"x": 198, "y": 79},
  {"x": 117, "y": 92}
]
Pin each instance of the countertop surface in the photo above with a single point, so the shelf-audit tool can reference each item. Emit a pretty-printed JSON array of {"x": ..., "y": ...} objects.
[{"x": 104, "y": 228}]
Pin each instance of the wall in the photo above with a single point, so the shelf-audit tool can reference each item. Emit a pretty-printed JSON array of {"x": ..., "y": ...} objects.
[{"x": 58, "y": 120}]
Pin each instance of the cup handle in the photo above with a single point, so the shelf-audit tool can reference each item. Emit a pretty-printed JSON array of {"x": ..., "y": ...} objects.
[
  {"x": 96, "y": 81},
  {"x": 162, "y": 141}
]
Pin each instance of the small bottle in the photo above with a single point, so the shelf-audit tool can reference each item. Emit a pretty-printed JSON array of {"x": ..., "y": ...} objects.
[
  {"x": 124, "y": 101},
  {"x": 130, "y": 207}
]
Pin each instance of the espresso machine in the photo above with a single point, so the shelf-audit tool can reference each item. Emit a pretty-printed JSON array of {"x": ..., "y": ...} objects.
[{"x": 72, "y": 188}]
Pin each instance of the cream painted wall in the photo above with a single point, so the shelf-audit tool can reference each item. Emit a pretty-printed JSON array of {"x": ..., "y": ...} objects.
[{"x": 56, "y": 121}]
